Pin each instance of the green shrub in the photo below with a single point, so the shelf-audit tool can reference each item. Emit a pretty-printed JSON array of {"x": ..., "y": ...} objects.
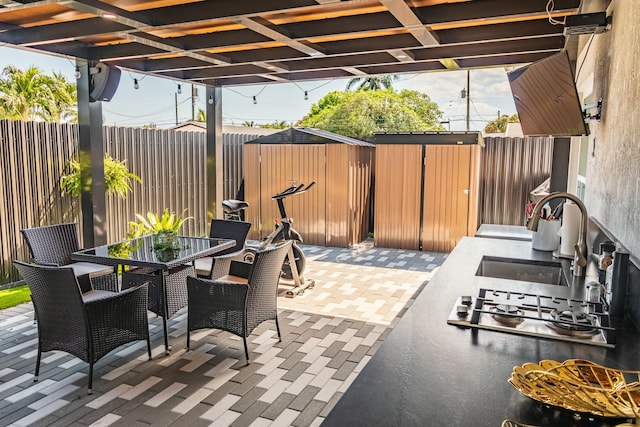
[{"x": 117, "y": 178}]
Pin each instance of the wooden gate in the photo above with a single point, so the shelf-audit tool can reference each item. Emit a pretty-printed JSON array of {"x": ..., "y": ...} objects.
[
  {"x": 450, "y": 195},
  {"x": 397, "y": 200},
  {"x": 426, "y": 195},
  {"x": 273, "y": 167}
]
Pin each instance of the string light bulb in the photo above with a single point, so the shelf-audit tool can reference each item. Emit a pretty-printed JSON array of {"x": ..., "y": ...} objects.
[
  {"x": 135, "y": 84},
  {"x": 255, "y": 100},
  {"x": 77, "y": 74},
  {"x": 306, "y": 95},
  {"x": 210, "y": 99},
  {"x": 179, "y": 89}
]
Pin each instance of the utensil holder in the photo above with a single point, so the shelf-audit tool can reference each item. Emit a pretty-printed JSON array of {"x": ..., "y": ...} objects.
[{"x": 546, "y": 237}]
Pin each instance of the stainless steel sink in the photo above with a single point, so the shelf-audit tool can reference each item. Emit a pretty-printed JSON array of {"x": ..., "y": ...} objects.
[{"x": 546, "y": 272}]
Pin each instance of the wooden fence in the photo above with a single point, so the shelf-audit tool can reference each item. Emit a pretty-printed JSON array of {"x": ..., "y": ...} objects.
[{"x": 35, "y": 156}]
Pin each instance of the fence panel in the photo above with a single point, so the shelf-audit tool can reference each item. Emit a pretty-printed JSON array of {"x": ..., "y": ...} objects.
[
  {"x": 33, "y": 159},
  {"x": 171, "y": 166},
  {"x": 510, "y": 169}
]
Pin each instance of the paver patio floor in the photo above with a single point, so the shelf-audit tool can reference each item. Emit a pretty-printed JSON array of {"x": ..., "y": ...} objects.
[{"x": 328, "y": 335}]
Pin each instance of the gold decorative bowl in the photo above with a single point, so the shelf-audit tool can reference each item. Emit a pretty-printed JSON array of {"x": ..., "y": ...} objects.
[{"x": 582, "y": 386}]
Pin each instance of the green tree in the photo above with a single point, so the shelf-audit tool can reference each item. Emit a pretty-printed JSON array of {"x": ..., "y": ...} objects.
[
  {"x": 499, "y": 125},
  {"x": 31, "y": 95},
  {"x": 201, "y": 116},
  {"x": 361, "y": 113},
  {"x": 372, "y": 82},
  {"x": 65, "y": 97},
  {"x": 25, "y": 94}
]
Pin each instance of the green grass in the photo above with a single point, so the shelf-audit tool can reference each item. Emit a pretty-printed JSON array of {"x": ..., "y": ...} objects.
[{"x": 14, "y": 296}]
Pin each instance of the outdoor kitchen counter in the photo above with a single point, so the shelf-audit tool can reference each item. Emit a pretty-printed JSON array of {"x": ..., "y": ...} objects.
[{"x": 429, "y": 373}]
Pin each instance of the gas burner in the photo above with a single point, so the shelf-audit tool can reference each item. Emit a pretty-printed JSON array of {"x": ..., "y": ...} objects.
[
  {"x": 535, "y": 315},
  {"x": 507, "y": 314},
  {"x": 573, "y": 323}
]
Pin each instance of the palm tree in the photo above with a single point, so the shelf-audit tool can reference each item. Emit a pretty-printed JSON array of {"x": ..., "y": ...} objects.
[
  {"x": 372, "y": 82},
  {"x": 32, "y": 95},
  {"x": 25, "y": 95},
  {"x": 65, "y": 96},
  {"x": 282, "y": 124}
]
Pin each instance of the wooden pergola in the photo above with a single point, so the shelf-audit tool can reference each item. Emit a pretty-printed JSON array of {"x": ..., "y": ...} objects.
[{"x": 231, "y": 42}]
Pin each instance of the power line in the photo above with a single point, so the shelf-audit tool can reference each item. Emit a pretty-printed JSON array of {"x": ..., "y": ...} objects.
[
  {"x": 476, "y": 110},
  {"x": 154, "y": 113}
]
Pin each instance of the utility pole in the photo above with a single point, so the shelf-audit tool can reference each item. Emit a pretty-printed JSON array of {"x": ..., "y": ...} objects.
[
  {"x": 175, "y": 98},
  {"x": 193, "y": 102},
  {"x": 465, "y": 94},
  {"x": 468, "y": 98}
]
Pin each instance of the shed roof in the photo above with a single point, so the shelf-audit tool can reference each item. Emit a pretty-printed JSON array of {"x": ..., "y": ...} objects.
[
  {"x": 430, "y": 138},
  {"x": 303, "y": 135}
]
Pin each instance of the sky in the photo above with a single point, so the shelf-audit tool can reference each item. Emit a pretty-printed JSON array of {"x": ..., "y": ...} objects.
[{"x": 154, "y": 102}]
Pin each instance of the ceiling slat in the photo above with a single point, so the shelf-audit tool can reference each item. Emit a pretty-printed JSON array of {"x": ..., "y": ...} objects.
[{"x": 265, "y": 41}]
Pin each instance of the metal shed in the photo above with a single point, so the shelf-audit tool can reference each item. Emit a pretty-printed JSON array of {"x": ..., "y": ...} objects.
[
  {"x": 336, "y": 211},
  {"x": 426, "y": 192}
]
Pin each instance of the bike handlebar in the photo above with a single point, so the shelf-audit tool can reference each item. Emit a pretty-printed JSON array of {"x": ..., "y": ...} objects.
[
  {"x": 294, "y": 189},
  {"x": 287, "y": 191}
]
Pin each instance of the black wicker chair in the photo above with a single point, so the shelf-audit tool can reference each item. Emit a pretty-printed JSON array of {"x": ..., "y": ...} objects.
[
  {"x": 214, "y": 267},
  {"x": 88, "y": 325},
  {"x": 53, "y": 245},
  {"x": 241, "y": 300}
]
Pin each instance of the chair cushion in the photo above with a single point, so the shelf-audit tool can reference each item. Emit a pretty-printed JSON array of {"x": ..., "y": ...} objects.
[
  {"x": 203, "y": 266},
  {"x": 94, "y": 295},
  {"x": 232, "y": 279},
  {"x": 82, "y": 268}
]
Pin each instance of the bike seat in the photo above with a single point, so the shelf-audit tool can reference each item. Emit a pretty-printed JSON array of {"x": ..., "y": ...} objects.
[{"x": 234, "y": 206}]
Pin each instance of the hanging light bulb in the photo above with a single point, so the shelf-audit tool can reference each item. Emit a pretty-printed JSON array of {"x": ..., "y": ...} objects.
[
  {"x": 210, "y": 99},
  {"x": 255, "y": 100},
  {"x": 135, "y": 84},
  {"x": 77, "y": 74},
  {"x": 179, "y": 89},
  {"x": 306, "y": 95}
]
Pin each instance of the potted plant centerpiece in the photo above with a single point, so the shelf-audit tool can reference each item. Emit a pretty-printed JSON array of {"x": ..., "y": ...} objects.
[{"x": 165, "y": 231}]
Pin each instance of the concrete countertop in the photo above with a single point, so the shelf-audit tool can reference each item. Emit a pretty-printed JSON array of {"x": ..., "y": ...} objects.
[{"x": 429, "y": 373}]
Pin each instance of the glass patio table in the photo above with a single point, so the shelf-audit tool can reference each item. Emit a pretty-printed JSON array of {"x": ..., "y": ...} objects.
[{"x": 163, "y": 269}]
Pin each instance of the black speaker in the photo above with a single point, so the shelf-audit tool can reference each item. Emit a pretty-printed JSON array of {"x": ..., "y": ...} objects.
[{"x": 104, "y": 82}]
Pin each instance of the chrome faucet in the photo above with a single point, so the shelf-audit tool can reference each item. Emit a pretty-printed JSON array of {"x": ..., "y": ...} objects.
[{"x": 580, "y": 254}]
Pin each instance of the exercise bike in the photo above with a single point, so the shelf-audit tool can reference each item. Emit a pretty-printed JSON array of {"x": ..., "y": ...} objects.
[
  {"x": 295, "y": 262},
  {"x": 234, "y": 209}
]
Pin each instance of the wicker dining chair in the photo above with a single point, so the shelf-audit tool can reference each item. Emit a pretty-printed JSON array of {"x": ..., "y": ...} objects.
[
  {"x": 218, "y": 265},
  {"x": 239, "y": 301},
  {"x": 87, "y": 325},
  {"x": 53, "y": 245}
]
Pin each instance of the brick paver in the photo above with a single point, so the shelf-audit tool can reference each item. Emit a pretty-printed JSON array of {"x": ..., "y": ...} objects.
[{"x": 329, "y": 334}]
